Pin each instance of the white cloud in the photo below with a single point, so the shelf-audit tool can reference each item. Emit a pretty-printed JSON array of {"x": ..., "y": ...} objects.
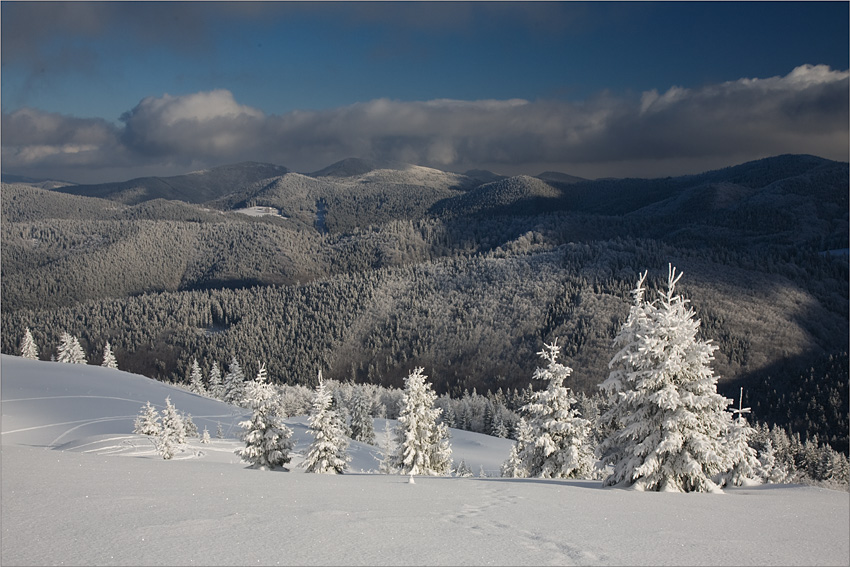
[{"x": 805, "y": 111}]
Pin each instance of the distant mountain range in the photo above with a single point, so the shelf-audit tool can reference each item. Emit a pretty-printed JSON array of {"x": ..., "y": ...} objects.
[{"x": 367, "y": 269}]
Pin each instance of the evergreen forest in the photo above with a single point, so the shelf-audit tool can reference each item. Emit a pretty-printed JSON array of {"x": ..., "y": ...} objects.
[{"x": 366, "y": 271}]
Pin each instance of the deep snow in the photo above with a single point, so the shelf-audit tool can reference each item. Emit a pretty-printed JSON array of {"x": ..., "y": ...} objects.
[{"x": 79, "y": 488}]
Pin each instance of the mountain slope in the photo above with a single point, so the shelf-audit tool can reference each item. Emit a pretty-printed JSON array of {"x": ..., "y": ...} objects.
[
  {"x": 73, "y": 469},
  {"x": 197, "y": 187}
]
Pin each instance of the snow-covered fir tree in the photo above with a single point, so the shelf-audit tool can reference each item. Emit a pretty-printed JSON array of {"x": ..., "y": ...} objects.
[
  {"x": 234, "y": 384},
  {"x": 147, "y": 422},
  {"x": 422, "y": 444},
  {"x": 28, "y": 347},
  {"x": 362, "y": 428},
  {"x": 463, "y": 470},
  {"x": 171, "y": 433},
  {"x": 556, "y": 441},
  {"x": 387, "y": 451},
  {"x": 770, "y": 471},
  {"x": 268, "y": 441},
  {"x": 219, "y": 432},
  {"x": 196, "y": 379},
  {"x": 108, "y": 357},
  {"x": 743, "y": 461},
  {"x": 216, "y": 389},
  {"x": 70, "y": 350},
  {"x": 205, "y": 436},
  {"x": 327, "y": 452},
  {"x": 514, "y": 467},
  {"x": 665, "y": 417},
  {"x": 189, "y": 427},
  {"x": 499, "y": 428}
]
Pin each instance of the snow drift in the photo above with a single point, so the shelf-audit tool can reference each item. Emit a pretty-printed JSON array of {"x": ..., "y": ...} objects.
[{"x": 78, "y": 487}]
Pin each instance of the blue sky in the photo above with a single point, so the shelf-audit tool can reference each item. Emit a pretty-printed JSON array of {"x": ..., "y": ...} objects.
[{"x": 101, "y": 91}]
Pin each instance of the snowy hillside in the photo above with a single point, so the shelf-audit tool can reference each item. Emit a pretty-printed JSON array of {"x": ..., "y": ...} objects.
[{"x": 79, "y": 488}]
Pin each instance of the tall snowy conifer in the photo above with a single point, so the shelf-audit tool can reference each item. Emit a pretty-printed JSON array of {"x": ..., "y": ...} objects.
[
  {"x": 70, "y": 350},
  {"x": 109, "y": 357},
  {"x": 327, "y": 451},
  {"x": 665, "y": 417},
  {"x": 234, "y": 384},
  {"x": 28, "y": 348},
  {"x": 556, "y": 442},
  {"x": 362, "y": 427},
  {"x": 196, "y": 379},
  {"x": 268, "y": 440},
  {"x": 216, "y": 388},
  {"x": 422, "y": 445},
  {"x": 743, "y": 460},
  {"x": 172, "y": 433}
]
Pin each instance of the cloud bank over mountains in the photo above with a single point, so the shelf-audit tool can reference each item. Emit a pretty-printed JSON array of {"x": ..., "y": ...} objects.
[{"x": 644, "y": 134}]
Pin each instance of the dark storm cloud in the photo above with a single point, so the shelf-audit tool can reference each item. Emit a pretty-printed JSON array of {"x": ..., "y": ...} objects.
[{"x": 805, "y": 111}]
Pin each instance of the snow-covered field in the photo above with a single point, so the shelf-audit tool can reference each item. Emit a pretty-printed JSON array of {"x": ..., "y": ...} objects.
[
  {"x": 259, "y": 211},
  {"x": 79, "y": 488}
]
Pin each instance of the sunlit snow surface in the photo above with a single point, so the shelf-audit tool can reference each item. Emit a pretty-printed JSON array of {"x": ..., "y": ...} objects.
[{"x": 79, "y": 488}]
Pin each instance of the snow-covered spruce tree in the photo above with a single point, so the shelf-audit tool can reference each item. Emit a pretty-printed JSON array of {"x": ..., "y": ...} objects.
[
  {"x": 770, "y": 471},
  {"x": 422, "y": 445},
  {"x": 268, "y": 440},
  {"x": 172, "y": 434},
  {"x": 743, "y": 463},
  {"x": 196, "y": 379},
  {"x": 108, "y": 357},
  {"x": 463, "y": 470},
  {"x": 665, "y": 416},
  {"x": 189, "y": 427},
  {"x": 205, "y": 436},
  {"x": 234, "y": 384},
  {"x": 216, "y": 389},
  {"x": 327, "y": 452},
  {"x": 362, "y": 427},
  {"x": 514, "y": 467},
  {"x": 70, "y": 350},
  {"x": 147, "y": 422},
  {"x": 556, "y": 441},
  {"x": 387, "y": 451},
  {"x": 28, "y": 348},
  {"x": 219, "y": 432}
]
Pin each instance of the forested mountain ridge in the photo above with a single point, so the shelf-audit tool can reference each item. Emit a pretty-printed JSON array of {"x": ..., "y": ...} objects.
[
  {"x": 195, "y": 187},
  {"x": 369, "y": 271}
]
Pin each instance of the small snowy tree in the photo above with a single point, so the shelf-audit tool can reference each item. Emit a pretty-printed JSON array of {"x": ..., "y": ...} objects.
[
  {"x": 422, "y": 446},
  {"x": 147, "y": 422},
  {"x": 28, "y": 348},
  {"x": 387, "y": 451},
  {"x": 189, "y": 427},
  {"x": 171, "y": 434},
  {"x": 205, "y": 436},
  {"x": 499, "y": 428},
  {"x": 219, "y": 432},
  {"x": 555, "y": 444},
  {"x": 70, "y": 350},
  {"x": 196, "y": 379},
  {"x": 327, "y": 451},
  {"x": 769, "y": 470},
  {"x": 362, "y": 428},
  {"x": 234, "y": 384},
  {"x": 463, "y": 470},
  {"x": 268, "y": 440},
  {"x": 109, "y": 357},
  {"x": 216, "y": 388},
  {"x": 743, "y": 461},
  {"x": 665, "y": 416}
]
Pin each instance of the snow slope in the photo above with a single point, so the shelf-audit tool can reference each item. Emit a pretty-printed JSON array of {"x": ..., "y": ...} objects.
[{"x": 79, "y": 488}]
